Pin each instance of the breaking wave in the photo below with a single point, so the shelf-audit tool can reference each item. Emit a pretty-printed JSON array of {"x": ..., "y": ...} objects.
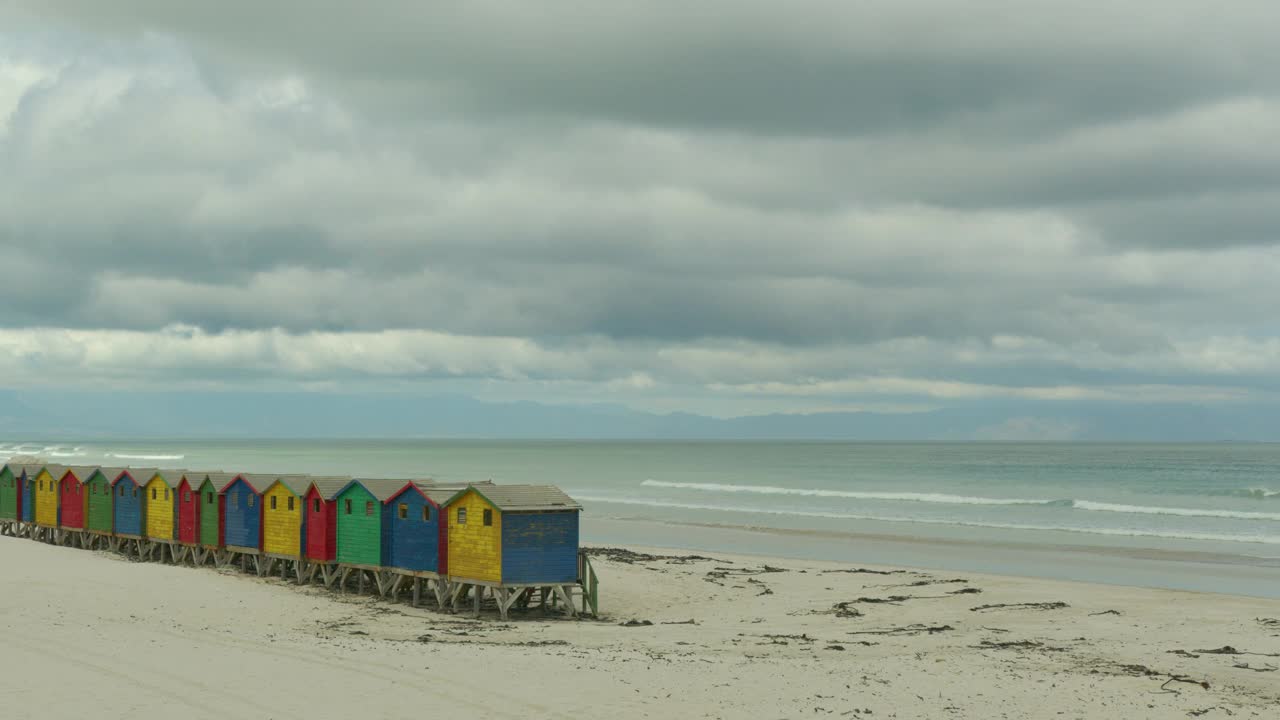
[
  {"x": 125, "y": 456},
  {"x": 942, "y": 498}
]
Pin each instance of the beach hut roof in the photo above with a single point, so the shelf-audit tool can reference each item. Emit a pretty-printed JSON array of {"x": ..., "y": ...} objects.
[
  {"x": 381, "y": 488},
  {"x": 297, "y": 484},
  {"x": 82, "y": 472},
  {"x": 329, "y": 485},
  {"x": 516, "y": 498},
  {"x": 218, "y": 478},
  {"x": 110, "y": 473},
  {"x": 171, "y": 477},
  {"x": 57, "y": 471},
  {"x": 142, "y": 476},
  {"x": 440, "y": 495},
  {"x": 257, "y": 483}
]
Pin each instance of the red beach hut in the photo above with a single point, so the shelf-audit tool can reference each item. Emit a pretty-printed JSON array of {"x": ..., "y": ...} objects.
[
  {"x": 71, "y": 490},
  {"x": 320, "y": 519},
  {"x": 189, "y": 508}
]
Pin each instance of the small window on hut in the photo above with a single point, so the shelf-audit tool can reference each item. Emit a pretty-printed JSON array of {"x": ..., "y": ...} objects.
[
  {"x": 121, "y": 491},
  {"x": 208, "y": 498},
  {"x": 166, "y": 493},
  {"x": 135, "y": 491},
  {"x": 346, "y": 506},
  {"x": 186, "y": 496},
  {"x": 273, "y": 502},
  {"x": 488, "y": 517},
  {"x": 426, "y": 513},
  {"x": 290, "y": 504},
  {"x": 402, "y": 511},
  {"x": 315, "y": 506},
  {"x": 250, "y": 499},
  {"x": 462, "y": 516},
  {"x": 153, "y": 493},
  {"x": 368, "y": 508},
  {"x": 41, "y": 486}
]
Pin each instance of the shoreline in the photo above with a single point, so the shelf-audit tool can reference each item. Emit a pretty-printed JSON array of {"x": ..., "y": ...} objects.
[
  {"x": 682, "y": 634},
  {"x": 1137, "y": 566}
]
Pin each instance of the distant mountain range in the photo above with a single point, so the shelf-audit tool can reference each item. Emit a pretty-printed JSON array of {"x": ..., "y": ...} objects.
[{"x": 49, "y": 414}]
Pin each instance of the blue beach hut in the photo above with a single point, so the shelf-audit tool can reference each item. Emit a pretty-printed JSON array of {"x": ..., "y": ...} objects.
[
  {"x": 127, "y": 506},
  {"x": 242, "y": 512},
  {"x": 28, "y": 492},
  {"x": 413, "y": 537}
]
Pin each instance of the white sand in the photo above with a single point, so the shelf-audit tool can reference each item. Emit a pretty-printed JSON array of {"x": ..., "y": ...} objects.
[{"x": 87, "y": 635}]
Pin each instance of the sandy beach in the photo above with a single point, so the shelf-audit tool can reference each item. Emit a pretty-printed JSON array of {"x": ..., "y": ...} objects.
[{"x": 88, "y": 634}]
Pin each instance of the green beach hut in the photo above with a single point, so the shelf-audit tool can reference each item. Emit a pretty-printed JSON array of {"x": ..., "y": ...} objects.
[
  {"x": 100, "y": 517},
  {"x": 359, "y": 522}
]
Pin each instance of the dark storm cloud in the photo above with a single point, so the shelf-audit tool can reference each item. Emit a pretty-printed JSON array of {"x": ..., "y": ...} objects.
[{"x": 781, "y": 199}]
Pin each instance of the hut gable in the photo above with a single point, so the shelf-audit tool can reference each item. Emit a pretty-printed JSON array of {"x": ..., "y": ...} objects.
[{"x": 188, "y": 501}]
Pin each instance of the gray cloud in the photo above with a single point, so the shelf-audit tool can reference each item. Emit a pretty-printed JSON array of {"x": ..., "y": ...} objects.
[{"x": 1017, "y": 193}]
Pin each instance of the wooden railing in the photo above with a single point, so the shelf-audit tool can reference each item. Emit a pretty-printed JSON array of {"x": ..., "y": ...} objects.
[{"x": 590, "y": 584}]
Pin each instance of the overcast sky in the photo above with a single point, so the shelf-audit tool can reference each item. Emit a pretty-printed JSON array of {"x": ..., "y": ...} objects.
[{"x": 726, "y": 207}]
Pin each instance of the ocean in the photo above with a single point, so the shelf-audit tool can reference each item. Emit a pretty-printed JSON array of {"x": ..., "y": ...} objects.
[{"x": 1175, "y": 515}]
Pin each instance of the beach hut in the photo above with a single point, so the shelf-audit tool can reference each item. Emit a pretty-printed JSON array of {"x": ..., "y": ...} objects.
[
  {"x": 320, "y": 525},
  {"x": 28, "y": 489},
  {"x": 507, "y": 538},
  {"x": 71, "y": 492},
  {"x": 99, "y": 518},
  {"x": 412, "y": 534},
  {"x": 199, "y": 529},
  {"x": 46, "y": 500},
  {"x": 159, "y": 504},
  {"x": 127, "y": 508},
  {"x": 10, "y": 495},
  {"x": 282, "y": 516},
  {"x": 242, "y": 521},
  {"x": 358, "y": 525},
  {"x": 210, "y": 522},
  {"x": 188, "y": 502}
]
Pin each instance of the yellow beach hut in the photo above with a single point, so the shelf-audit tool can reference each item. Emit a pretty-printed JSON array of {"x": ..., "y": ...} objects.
[
  {"x": 282, "y": 516},
  {"x": 159, "y": 492},
  {"x": 46, "y": 495}
]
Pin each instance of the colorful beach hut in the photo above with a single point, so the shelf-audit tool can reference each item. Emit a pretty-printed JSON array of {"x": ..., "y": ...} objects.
[
  {"x": 511, "y": 537},
  {"x": 358, "y": 522},
  {"x": 29, "y": 493},
  {"x": 11, "y": 477},
  {"x": 188, "y": 502},
  {"x": 159, "y": 504},
  {"x": 211, "y": 509},
  {"x": 99, "y": 518},
  {"x": 72, "y": 496},
  {"x": 242, "y": 515},
  {"x": 46, "y": 499},
  {"x": 413, "y": 538},
  {"x": 282, "y": 516},
  {"x": 320, "y": 524},
  {"x": 128, "y": 508}
]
